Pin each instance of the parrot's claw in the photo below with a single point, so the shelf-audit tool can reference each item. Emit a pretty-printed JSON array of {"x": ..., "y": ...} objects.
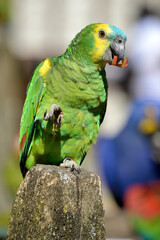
[
  {"x": 55, "y": 112},
  {"x": 69, "y": 163}
]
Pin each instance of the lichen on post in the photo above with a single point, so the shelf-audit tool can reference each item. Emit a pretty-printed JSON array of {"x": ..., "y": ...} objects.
[{"x": 55, "y": 203}]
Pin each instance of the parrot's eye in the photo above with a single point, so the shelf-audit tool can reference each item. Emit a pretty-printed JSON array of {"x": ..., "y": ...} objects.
[{"x": 102, "y": 34}]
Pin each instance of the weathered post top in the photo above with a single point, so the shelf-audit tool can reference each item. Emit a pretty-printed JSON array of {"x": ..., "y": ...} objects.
[{"x": 55, "y": 203}]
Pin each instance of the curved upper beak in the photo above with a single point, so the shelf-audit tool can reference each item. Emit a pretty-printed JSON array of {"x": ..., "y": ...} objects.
[{"x": 116, "y": 49}]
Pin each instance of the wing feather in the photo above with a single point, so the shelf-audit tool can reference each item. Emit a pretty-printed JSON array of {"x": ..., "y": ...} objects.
[{"x": 35, "y": 93}]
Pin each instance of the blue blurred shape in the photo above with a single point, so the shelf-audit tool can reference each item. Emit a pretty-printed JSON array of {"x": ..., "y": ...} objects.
[
  {"x": 128, "y": 158},
  {"x": 3, "y": 232}
]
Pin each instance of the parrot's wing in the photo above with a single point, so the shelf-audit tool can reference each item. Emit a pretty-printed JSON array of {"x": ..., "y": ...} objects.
[{"x": 35, "y": 94}]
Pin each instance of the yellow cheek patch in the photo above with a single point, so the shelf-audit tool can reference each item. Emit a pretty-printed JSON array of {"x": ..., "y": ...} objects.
[
  {"x": 100, "y": 44},
  {"x": 45, "y": 67}
]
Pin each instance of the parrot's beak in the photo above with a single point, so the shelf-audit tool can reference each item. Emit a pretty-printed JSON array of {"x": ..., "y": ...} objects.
[{"x": 114, "y": 54}]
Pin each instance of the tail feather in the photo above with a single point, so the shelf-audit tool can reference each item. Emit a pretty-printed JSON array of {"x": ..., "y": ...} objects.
[{"x": 24, "y": 154}]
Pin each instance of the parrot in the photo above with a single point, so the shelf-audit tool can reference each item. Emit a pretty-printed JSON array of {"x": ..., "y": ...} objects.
[
  {"x": 67, "y": 97},
  {"x": 130, "y": 164}
]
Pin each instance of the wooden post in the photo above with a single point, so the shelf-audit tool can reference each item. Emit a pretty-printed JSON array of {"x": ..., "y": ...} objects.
[{"x": 55, "y": 203}]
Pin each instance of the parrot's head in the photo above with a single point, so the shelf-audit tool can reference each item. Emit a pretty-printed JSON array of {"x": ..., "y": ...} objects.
[{"x": 103, "y": 43}]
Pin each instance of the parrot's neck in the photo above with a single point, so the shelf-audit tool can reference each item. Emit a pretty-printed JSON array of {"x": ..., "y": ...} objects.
[{"x": 78, "y": 53}]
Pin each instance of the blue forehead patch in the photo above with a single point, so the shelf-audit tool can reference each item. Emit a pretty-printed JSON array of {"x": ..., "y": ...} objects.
[{"x": 117, "y": 31}]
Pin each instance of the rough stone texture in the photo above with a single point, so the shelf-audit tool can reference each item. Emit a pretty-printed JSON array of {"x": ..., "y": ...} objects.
[{"x": 55, "y": 203}]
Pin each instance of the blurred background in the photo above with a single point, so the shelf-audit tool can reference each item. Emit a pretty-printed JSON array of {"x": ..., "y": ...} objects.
[{"x": 127, "y": 153}]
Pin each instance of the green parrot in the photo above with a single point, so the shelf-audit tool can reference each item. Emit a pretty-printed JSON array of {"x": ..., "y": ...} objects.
[{"x": 67, "y": 97}]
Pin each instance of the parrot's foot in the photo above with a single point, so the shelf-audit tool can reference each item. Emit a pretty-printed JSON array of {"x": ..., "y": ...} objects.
[
  {"x": 69, "y": 163},
  {"x": 55, "y": 112}
]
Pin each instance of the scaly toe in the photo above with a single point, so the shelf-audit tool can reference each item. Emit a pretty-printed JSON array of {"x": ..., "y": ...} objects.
[{"x": 69, "y": 163}]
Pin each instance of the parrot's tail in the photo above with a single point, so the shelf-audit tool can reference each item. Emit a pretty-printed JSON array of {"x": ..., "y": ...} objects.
[{"x": 25, "y": 151}]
